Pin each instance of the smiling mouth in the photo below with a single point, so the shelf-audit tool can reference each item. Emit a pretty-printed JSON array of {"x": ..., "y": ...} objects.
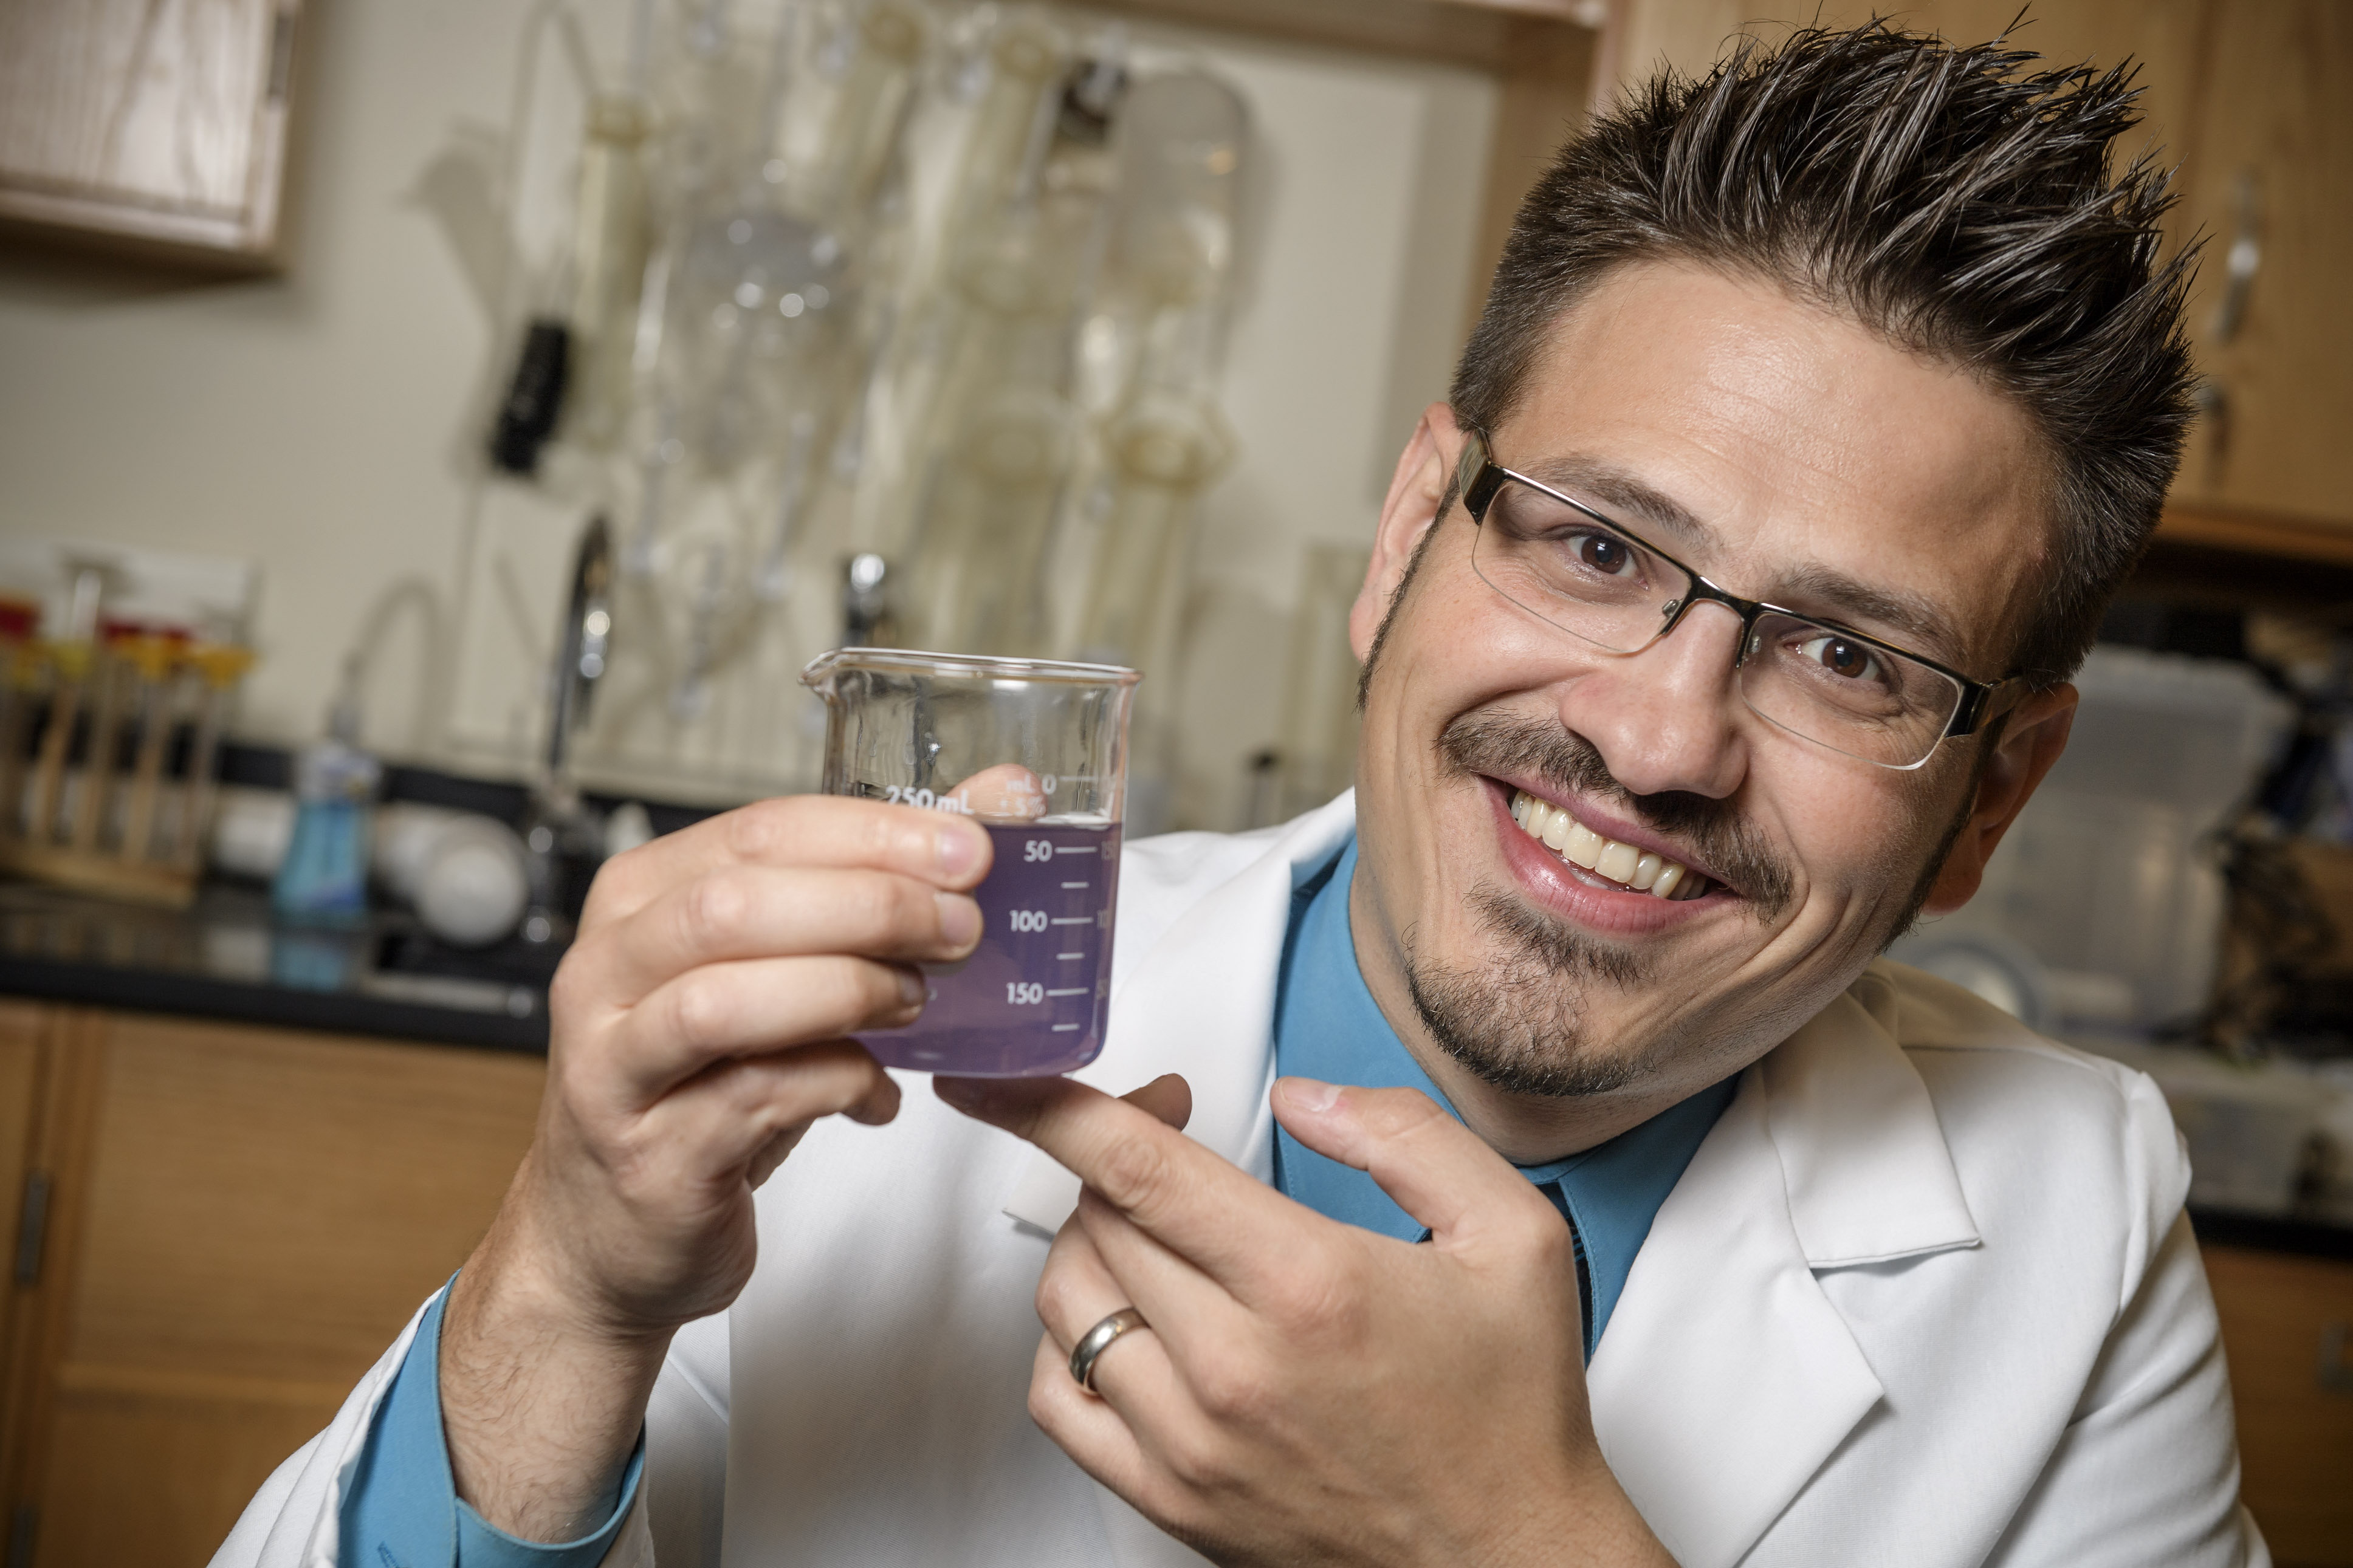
[{"x": 1623, "y": 866}]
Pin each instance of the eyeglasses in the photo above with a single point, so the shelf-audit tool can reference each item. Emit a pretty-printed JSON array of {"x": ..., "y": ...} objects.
[{"x": 1596, "y": 580}]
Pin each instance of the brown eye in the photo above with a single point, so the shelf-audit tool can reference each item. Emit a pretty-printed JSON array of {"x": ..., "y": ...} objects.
[
  {"x": 1599, "y": 552},
  {"x": 1843, "y": 657}
]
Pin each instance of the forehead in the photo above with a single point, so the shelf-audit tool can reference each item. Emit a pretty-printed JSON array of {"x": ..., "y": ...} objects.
[{"x": 1777, "y": 446}]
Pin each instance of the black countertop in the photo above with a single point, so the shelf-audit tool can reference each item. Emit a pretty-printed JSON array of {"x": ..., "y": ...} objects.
[{"x": 227, "y": 957}]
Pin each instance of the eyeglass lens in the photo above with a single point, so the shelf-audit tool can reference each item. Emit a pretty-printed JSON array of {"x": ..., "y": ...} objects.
[{"x": 1605, "y": 587}]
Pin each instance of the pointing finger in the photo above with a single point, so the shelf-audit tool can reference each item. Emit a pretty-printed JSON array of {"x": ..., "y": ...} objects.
[
  {"x": 1185, "y": 1196},
  {"x": 1437, "y": 1169}
]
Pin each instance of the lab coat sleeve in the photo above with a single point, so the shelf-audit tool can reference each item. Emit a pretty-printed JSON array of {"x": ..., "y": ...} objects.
[
  {"x": 293, "y": 1520},
  {"x": 2147, "y": 1469}
]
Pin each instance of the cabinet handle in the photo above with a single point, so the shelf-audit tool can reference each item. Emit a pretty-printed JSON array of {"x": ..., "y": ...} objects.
[
  {"x": 2240, "y": 262},
  {"x": 2334, "y": 1373},
  {"x": 32, "y": 1226}
]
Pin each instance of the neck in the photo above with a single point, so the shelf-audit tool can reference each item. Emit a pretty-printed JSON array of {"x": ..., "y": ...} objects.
[{"x": 1526, "y": 1129}]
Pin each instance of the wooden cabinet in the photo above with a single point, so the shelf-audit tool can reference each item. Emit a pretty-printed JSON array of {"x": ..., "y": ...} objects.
[
  {"x": 158, "y": 126},
  {"x": 2268, "y": 150},
  {"x": 2287, "y": 1328},
  {"x": 240, "y": 1219},
  {"x": 2253, "y": 99}
]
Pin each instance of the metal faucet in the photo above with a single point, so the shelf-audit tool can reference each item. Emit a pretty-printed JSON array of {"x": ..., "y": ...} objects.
[{"x": 558, "y": 821}]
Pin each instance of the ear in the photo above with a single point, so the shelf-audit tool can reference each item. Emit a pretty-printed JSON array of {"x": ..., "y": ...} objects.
[
  {"x": 1414, "y": 491},
  {"x": 2030, "y": 742}
]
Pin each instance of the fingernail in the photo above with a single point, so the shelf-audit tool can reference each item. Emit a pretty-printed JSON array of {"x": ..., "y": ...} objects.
[
  {"x": 1311, "y": 1094},
  {"x": 959, "y": 851},
  {"x": 911, "y": 986},
  {"x": 959, "y": 919}
]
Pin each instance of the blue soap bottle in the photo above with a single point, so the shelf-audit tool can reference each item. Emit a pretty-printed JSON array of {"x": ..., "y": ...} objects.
[{"x": 324, "y": 879}]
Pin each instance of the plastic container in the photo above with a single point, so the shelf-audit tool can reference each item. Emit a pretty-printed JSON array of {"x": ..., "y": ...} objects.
[{"x": 2110, "y": 871}]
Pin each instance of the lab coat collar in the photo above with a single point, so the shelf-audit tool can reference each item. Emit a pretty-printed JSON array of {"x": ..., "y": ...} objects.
[{"x": 1727, "y": 1377}]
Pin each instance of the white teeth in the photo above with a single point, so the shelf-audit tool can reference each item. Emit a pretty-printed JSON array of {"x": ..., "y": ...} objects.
[
  {"x": 1559, "y": 826},
  {"x": 1641, "y": 869}
]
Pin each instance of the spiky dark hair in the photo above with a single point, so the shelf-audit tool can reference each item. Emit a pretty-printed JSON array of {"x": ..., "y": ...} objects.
[{"x": 1950, "y": 199}]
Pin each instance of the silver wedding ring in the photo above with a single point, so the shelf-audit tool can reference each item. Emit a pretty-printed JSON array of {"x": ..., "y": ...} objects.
[{"x": 1096, "y": 1341}]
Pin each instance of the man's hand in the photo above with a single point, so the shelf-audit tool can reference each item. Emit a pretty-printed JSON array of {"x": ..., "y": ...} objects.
[
  {"x": 1311, "y": 1392},
  {"x": 696, "y": 1032}
]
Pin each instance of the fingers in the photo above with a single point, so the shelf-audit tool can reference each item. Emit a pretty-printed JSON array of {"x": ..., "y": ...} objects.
[
  {"x": 1075, "y": 1292},
  {"x": 751, "y": 1005},
  {"x": 1184, "y": 1196},
  {"x": 1005, "y": 793},
  {"x": 1437, "y": 1169},
  {"x": 1090, "y": 1430},
  {"x": 1142, "y": 1412},
  {"x": 752, "y": 912},
  {"x": 1167, "y": 1096},
  {"x": 940, "y": 847},
  {"x": 735, "y": 1116}
]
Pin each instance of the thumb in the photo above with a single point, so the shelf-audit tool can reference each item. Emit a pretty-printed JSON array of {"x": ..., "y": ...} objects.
[{"x": 1437, "y": 1169}]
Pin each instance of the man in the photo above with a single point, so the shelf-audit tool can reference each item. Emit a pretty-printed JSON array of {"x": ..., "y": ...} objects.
[{"x": 1718, "y": 626}]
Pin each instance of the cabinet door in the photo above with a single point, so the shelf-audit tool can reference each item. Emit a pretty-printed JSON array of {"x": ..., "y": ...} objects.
[
  {"x": 2271, "y": 165},
  {"x": 160, "y": 124},
  {"x": 2287, "y": 1328},
  {"x": 254, "y": 1216}
]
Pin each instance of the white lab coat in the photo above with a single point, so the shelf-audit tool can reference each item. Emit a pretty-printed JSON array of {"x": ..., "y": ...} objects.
[{"x": 1925, "y": 1296}]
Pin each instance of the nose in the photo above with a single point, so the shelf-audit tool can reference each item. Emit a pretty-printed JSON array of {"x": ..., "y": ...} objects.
[{"x": 1667, "y": 718}]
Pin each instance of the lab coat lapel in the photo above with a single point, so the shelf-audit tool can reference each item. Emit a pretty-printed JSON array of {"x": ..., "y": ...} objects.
[
  {"x": 1726, "y": 1378},
  {"x": 1201, "y": 1003}
]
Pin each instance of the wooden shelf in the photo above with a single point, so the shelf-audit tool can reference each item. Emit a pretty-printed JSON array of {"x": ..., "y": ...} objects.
[{"x": 2250, "y": 533}]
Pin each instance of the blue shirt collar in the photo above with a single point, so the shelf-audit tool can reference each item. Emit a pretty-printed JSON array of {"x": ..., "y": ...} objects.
[{"x": 1327, "y": 1027}]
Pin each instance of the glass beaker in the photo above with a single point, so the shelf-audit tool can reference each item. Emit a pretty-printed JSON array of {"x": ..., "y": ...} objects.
[{"x": 1036, "y": 752}]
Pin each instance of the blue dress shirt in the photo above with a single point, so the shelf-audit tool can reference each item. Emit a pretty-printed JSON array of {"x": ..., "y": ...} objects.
[
  {"x": 402, "y": 1510},
  {"x": 1327, "y": 1027}
]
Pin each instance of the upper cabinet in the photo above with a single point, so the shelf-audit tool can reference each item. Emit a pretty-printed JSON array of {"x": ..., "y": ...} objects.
[
  {"x": 2268, "y": 150},
  {"x": 153, "y": 126},
  {"x": 2253, "y": 99}
]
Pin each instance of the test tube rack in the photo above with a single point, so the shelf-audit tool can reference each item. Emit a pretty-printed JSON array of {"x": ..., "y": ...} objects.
[{"x": 90, "y": 797}]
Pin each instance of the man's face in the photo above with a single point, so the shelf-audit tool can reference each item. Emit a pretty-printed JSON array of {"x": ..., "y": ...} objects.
[{"x": 1788, "y": 455}]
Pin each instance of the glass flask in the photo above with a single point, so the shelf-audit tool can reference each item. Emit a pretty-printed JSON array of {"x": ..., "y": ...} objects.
[{"x": 1036, "y": 752}]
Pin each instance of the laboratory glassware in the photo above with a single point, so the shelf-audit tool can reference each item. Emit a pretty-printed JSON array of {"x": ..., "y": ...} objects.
[{"x": 1035, "y": 751}]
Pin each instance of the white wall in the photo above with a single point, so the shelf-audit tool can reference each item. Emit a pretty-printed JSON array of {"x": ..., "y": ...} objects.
[
  {"x": 326, "y": 424},
  {"x": 310, "y": 421}
]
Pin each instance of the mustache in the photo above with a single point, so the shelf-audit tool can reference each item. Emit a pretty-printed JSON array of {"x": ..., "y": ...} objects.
[{"x": 1723, "y": 841}]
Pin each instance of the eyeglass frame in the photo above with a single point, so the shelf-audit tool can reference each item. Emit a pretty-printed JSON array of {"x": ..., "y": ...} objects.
[{"x": 1478, "y": 479}]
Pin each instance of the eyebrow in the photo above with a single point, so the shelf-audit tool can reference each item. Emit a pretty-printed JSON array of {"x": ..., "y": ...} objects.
[{"x": 1620, "y": 493}]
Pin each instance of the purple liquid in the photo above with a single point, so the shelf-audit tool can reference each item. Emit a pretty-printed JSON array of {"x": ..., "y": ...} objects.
[{"x": 1029, "y": 1001}]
